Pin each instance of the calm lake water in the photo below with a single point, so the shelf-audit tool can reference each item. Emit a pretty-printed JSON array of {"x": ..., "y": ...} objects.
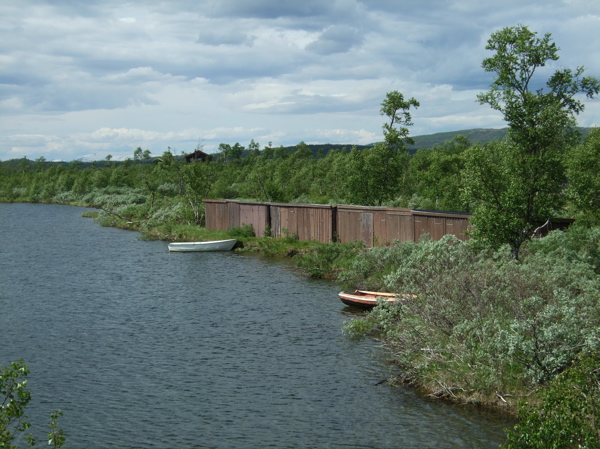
[{"x": 144, "y": 348}]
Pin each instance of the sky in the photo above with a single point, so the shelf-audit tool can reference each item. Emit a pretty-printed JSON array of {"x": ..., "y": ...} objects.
[{"x": 89, "y": 79}]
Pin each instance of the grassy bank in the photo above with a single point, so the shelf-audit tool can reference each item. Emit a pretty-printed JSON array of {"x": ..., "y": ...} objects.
[{"x": 485, "y": 329}]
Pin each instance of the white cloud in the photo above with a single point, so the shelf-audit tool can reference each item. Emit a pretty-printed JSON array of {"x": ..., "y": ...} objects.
[{"x": 105, "y": 77}]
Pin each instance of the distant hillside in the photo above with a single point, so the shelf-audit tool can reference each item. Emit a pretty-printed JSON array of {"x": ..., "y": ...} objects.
[
  {"x": 481, "y": 135},
  {"x": 421, "y": 142},
  {"x": 425, "y": 142}
]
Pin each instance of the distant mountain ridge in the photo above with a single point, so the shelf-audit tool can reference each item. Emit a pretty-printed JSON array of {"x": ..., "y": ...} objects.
[
  {"x": 423, "y": 142},
  {"x": 428, "y": 141},
  {"x": 481, "y": 135}
]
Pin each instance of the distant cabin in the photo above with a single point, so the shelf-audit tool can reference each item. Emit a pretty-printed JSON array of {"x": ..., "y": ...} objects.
[{"x": 198, "y": 156}]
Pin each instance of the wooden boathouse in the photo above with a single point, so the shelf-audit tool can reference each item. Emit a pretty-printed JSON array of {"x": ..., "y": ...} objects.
[{"x": 374, "y": 226}]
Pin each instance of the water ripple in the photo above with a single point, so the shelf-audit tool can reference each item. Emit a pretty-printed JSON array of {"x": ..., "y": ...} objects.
[{"x": 145, "y": 348}]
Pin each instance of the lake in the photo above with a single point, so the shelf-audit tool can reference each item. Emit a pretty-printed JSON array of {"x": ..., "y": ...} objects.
[{"x": 144, "y": 348}]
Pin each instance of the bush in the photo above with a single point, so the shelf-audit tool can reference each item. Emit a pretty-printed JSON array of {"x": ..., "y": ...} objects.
[
  {"x": 369, "y": 268},
  {"x": 577, "y": 244},
  {"x": 243, "y": 231},
  {"x": 14, "y": 398},
  {"x": 567, "y": 412},
  {"x": 64, "y": 198},
  {"x": 481, "y": 326},
  {"x": 327, "y": 260}
]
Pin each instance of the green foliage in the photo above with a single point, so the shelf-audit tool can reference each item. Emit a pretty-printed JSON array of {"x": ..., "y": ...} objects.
[
  {"x": 583, "y": 167},
  {"x": 481, "y": 326},
  {"x": 171, "y": 189},
  {"x": 369, "y": 269},
  {"x": 514, "y": 192},
  {"x": 198, "y": 178},
  {"x": 14, "y": 396},
  {"x": 56, "y": 437},
  {"x": 245, "y": 230},
  {"x": 536, "y": 118},
  {"x": 437, "y": 176},
  {"x": 397, "y": 110},
  {"x": 518, "y": 183},
  {"x": 326, "y": 260},
  {"x": 567, "y": 413},
  {"x": 359, "y": 328},
  {"x": 578, "y": 245},
  {"x": 373, "y": 175}
]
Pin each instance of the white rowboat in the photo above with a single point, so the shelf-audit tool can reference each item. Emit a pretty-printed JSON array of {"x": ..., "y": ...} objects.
[{"x": 216, "y": 245}]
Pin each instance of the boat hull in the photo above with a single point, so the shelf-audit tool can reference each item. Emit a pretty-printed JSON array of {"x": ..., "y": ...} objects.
[
  {"x": 366, "y": 299},
  {"x": 216, "y": 245}
]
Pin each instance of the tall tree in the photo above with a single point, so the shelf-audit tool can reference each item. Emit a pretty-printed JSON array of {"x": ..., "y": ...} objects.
[
  {"x": 397, "y": 109},
  {"x": 199, "y": 178},
  {"x": 541, "y": 128},
  {"x": 375, "y": 174}
]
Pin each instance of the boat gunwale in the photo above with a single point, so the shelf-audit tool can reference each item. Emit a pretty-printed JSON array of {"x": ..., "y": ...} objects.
[
  {"x": 365, "y": 298},
  {"x": 206, "y": 242},
  {"x": 205, "y": 246}
]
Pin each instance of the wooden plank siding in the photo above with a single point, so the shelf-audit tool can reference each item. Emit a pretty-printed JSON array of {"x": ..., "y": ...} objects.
[
  {"x": 224, "y": 214},
  {"x": 374, "y": 226},
  {"x": 349, "y": 224},
  {"x": 307, "y": 221},
  {"x": 399, "y": 226},
  {"x": 438, "y": 224},
  {"x": 255, "y": 214}
]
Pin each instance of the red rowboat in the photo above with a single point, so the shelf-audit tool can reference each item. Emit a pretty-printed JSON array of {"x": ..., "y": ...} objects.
[{"x": 366, "y": 299}]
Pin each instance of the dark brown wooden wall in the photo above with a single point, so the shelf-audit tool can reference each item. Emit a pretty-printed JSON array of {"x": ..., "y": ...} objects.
[
  {"x": 374, "y": 226},
  {"x": 306, "y": 221}
]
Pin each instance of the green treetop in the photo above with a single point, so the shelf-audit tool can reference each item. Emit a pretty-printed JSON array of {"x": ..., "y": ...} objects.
[{"x": 517, "y": 185}]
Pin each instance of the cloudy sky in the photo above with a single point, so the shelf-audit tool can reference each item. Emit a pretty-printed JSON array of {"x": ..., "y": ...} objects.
[{"x": 104, "y": 77}]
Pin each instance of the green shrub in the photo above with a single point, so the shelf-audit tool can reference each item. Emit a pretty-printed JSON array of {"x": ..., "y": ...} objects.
[
  {"x": 576, "y": 244},
  {"x": 482, "y": 326},
  {"x": 327, "y": 260},
  {"x": 14, "y": 398},
  {"x": 168, "y": 212},
  {"x": 64, "y": 198},
  {"x": 168, "y": 189},
  {"x": 565, "y": 414},
  {"x": 370, "y": 266},
  {"x": 243, "y": 231}
]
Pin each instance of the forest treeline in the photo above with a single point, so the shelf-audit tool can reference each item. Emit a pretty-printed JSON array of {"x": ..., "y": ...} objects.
[
  {"x": 431, "y": 179},
  {"x": 156, "y": 189}
]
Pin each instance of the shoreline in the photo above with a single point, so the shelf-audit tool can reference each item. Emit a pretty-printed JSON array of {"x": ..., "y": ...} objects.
[{"x": 495, "y": 401}]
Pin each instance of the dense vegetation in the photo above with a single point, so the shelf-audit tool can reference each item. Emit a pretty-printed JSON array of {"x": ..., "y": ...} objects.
[
  {"x": 502, "y": 319},
  {"x": 166, "y": 190}
]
